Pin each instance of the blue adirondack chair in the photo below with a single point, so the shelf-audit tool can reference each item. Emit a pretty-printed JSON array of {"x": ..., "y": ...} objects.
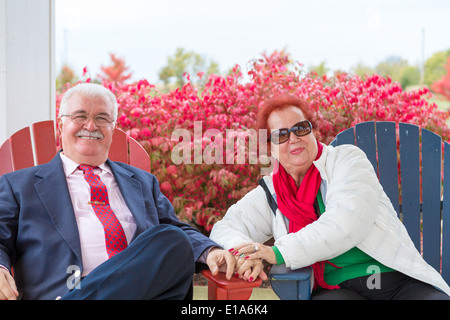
[{"x": 422, "y": 199}]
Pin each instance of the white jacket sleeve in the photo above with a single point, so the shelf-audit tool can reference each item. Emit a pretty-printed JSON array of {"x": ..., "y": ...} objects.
[
  {"x": 353, "y": 193},
  {"x": 249, "y": 220}
]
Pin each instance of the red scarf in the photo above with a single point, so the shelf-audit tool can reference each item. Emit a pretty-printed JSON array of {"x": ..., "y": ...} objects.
[{"x": 297, "y": 204}]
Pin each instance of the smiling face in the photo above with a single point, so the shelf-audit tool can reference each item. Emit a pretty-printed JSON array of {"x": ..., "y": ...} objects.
[
  {"x": 298, "y": 153},
  {"x": 86, "y": 143}
]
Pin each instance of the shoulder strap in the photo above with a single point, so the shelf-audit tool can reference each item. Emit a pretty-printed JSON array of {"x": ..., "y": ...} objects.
[
  {"x": 273, "y": 203},
  {"x": 270, "y": 199}
]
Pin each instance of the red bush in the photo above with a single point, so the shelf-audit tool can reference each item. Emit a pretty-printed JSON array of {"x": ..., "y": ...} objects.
[
  {"x": 202, "y": 192},
  {"x": 442, "y": 86}
]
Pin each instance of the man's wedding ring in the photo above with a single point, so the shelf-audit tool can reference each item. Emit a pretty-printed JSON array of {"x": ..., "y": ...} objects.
[{"x": 255, "y": 248}]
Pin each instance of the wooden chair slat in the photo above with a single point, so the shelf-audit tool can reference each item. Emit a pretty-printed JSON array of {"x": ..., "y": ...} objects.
[
  {"x": 365, "y": 140},
  {"x": 138, "y": 156},
  {"x": 6, "y": 164},
  {"x": 119, "y": 147},
  {"x": 387, "y": 160},
  {"x": 431, "y": 197},
  {"x": 410, "y": 180},
  {"x": 44, "y": 141},
  {"x": 346, "y": 137},
  {"x": 22, "y": 149},
  {"x": 446, "y": 216}
]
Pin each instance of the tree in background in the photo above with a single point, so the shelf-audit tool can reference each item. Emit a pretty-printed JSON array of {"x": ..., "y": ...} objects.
[
  {"x": 435, "y": 67},
  {"x": 117, "y": 71},
  {"x": 399, "y": 70},
  {"x": 391, "y": 66},
  {"x": 186, "y": 62},
  {"x": 66, "y": 75},
  {"x": 321, "y": 69},
  {"x": 442, "y": 86},
  {"x": 362, "y": 70},
  {"x": 394, "y": 67},
  {"x": 410, "y": 76}
]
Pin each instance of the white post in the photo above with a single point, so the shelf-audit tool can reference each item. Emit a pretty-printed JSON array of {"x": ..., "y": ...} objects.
[{"x": 27, "y": 71}]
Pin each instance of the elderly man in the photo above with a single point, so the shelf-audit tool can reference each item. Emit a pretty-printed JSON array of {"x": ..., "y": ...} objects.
[{"x": 84, "y": 227}]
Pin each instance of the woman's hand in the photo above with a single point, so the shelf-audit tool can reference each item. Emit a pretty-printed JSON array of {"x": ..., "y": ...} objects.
[
  {"x": 256, "y": 251},
  {"x": 249, "y": 260}
]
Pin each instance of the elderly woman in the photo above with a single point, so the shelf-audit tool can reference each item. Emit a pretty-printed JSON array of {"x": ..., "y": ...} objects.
[{"x": 332, "y": 214}]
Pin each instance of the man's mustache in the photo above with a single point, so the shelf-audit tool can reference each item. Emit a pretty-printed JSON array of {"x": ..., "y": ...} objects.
[{"x": 89, "y": 134}]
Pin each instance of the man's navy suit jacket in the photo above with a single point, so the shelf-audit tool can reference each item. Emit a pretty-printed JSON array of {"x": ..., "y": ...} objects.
[{"x": 38, "y": 231}]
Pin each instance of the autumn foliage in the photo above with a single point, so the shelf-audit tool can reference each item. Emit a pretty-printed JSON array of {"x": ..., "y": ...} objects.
[
  {"x": 201, "y": 192},
  {"x": 442, "y": 86},
  {"x": 117, "y": 72}
]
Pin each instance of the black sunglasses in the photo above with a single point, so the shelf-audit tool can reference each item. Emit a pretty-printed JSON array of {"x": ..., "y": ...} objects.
[{"x": 282, "y": 135}]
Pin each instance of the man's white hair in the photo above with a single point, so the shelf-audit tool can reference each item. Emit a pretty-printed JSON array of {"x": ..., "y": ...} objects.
[{"x": 88, "y": 90}]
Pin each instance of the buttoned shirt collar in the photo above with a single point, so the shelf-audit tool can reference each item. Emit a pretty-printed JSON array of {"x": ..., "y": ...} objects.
[{"x": 70, "y": 166}]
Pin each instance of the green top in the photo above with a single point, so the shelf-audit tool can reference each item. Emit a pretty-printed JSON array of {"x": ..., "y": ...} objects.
[{"x": 351, "y": 264}]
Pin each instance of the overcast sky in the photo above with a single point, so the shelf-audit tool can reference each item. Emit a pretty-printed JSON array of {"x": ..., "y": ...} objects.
[{"x": 340, "y": 33}]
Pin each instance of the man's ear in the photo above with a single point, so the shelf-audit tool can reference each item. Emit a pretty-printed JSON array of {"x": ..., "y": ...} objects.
[{"x": 60, "y": 124}]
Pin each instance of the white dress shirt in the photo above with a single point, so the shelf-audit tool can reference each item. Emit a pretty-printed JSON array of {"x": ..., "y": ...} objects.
[{"x": 92, "y": 236}]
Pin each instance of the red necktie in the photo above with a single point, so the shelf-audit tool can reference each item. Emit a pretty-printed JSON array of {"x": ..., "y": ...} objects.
[{"x": 114, "y": 234}]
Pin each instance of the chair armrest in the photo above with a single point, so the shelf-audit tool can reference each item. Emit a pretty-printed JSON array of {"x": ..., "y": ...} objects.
[
  {"x": 220, "y": 288},
  {"x": 291, "y": 284}
]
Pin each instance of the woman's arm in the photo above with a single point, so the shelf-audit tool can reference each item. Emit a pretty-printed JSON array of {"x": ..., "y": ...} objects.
[
  {"x": 247, "y": 221},
  {"x": 352, "y": 200}
]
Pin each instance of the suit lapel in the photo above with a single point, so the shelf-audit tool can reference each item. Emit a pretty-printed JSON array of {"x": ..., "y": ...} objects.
[
  {"x": 54, "y": 194},
  {"x": 132, "y": 193}
]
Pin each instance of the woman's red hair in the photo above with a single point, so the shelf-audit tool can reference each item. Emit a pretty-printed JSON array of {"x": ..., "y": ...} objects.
[{"x": 279, "y": 103}]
